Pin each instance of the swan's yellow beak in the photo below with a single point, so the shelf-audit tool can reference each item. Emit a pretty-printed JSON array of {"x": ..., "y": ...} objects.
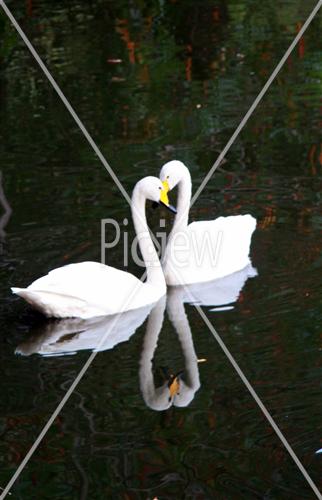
[
  {"x": 165, "y": 185},
  {"x": 164, "y": 197},
  {"x": 164, "y": 200}
]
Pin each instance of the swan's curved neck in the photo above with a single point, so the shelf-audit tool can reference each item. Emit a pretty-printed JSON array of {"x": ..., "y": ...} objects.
[
  {"x": 157, "y": 399},
  {"x": 150, "y": 257},
  {"x": 178, "y": 317},
  {"x": 183, "y": 204}
]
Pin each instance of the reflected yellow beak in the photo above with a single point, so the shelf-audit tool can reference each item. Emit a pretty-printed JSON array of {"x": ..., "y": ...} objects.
[{"x": 174, "y": 387}]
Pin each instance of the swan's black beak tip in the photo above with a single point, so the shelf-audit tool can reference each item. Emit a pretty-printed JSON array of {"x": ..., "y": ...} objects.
[
  {"x": 172, "y": 209},
  {"x": 169, "y": 207}
]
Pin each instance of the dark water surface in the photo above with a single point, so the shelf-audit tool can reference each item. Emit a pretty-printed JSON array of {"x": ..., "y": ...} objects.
[{"x": 188, "y": 72}]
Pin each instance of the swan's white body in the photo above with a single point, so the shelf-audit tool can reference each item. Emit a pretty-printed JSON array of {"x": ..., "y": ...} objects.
[
  {"x": 86, "y": 290},
  {"x": 206, "y": 250},
  {"x": 91, "y": 289}
]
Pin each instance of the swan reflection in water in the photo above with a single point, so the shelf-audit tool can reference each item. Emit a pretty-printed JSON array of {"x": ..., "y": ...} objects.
[
  {"x": 180, "y": 390},
  {"x": 68, "y": 336},
  {"x": 61, "y": 337}
]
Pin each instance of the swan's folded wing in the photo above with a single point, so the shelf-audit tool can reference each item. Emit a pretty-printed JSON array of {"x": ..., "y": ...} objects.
[
  {"x": 85, "y": 289},
  {"x": 208, "y": 250}
]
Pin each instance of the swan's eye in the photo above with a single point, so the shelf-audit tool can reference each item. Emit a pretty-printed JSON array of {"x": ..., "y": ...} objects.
[
  {"x": 160, "y": 188},
  {"x": 168, "y": 176}
]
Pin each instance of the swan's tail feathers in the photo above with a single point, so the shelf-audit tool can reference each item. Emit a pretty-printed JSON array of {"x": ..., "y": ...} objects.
[
  {"x": 35, "y": 299},
  {"x": 26, "y": 294},
  {"x": 252, "y": 222},
  {"x": 248, "y": 227},
  {"x": 57, "y": 305},
  {"x": 252, "y": 272}
]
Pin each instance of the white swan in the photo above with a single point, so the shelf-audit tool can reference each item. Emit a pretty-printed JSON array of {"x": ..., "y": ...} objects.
[
  {"x": 204, "y": 250},
  {"x": 91, "y": 289}
]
